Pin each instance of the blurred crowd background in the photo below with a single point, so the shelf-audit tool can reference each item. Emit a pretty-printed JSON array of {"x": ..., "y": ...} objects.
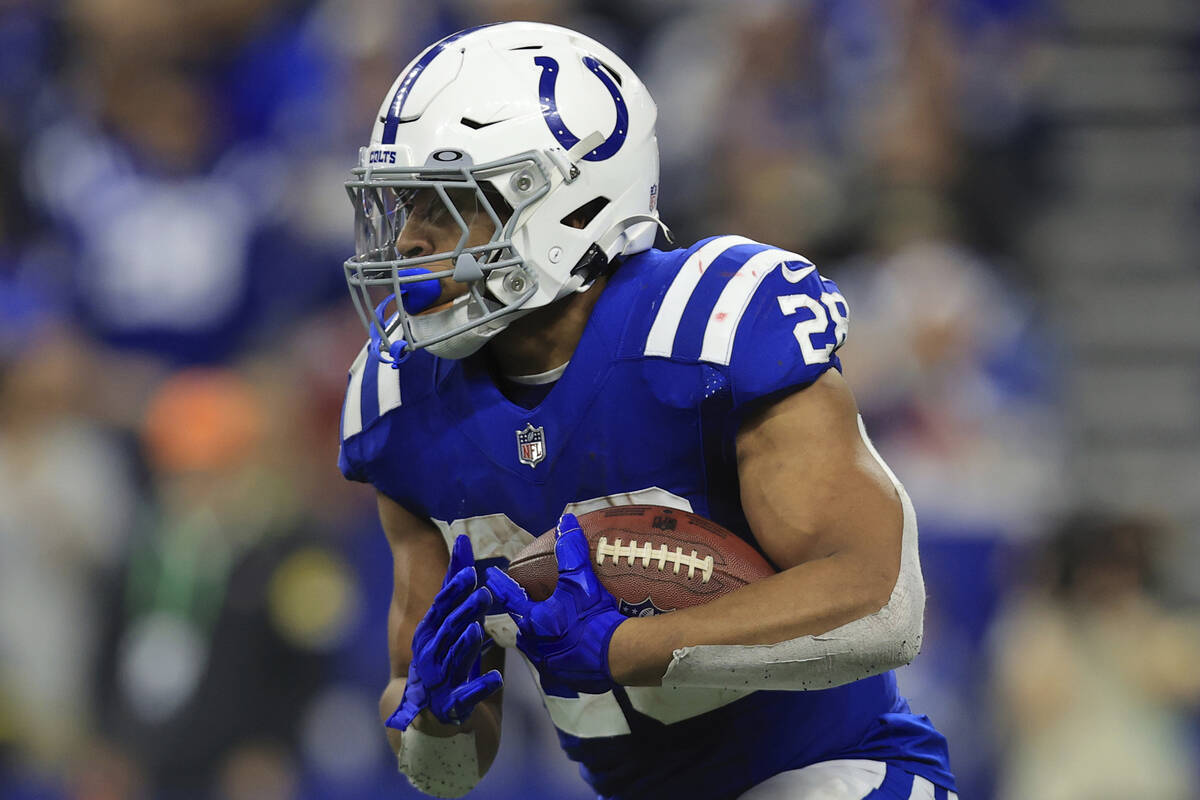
[{"x": 192, "y": 600}]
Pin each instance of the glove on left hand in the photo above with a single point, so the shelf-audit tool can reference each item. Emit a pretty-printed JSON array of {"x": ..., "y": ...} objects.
[{"x": 444, "y": 673}]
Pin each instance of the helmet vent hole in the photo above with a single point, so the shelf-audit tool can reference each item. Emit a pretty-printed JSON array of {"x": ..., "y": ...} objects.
[
  {"x": 583, "y": 216},
  {"x": 526, "y": 47},
  {"x": 476, "y": 125},
  {"x": 610, "y": 71}
]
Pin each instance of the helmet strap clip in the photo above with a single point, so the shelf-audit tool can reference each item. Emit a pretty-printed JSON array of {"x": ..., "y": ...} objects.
[
  {"x": 566, "y": 160},
  {"x": 593, "y": 264}
]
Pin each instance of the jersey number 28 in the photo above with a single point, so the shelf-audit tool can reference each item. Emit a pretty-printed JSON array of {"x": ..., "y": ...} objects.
[{"x": 804, "y": 331}]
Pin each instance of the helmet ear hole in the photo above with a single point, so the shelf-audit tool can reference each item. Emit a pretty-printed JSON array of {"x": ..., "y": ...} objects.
[
  {"x": 582, "y": 217},
  {"x": 499, "y": 204}
]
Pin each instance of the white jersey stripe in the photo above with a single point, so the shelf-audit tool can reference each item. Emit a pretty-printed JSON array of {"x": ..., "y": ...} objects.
[
  {"x": 588, "y": 716},
  {"x": 922, "y": 789},
  {"x": 387, "y": 385},
  {"x": 661, "y": 340},
  {"x": 352, "y": 411},
  {"x": 731, "y": 305},
  {"x": 843, "y": 779}
]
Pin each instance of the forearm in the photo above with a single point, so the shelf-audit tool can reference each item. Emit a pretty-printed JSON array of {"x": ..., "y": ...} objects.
[
  {"x": 814, "y": 626},
  {"x": 442, "y": 716},
  {"x": 808, "y": 599}
]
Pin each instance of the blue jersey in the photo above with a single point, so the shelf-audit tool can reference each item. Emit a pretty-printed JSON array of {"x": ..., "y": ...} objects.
[{"x": 679, "y": 346}]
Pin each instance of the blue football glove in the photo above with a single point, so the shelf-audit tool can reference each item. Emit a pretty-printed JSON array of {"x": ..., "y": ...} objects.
[
  {"x": 444, "y": 673},
  {"x": 566, "y": 636}
]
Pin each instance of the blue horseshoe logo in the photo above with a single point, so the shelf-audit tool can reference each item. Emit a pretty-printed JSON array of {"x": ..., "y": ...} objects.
[{"x": 554, "y": 120}]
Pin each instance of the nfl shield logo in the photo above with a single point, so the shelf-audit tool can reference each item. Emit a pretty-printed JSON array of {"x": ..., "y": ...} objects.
[
  {"x": 646, "y": 608},
  {"x": 531, "y": 444}
]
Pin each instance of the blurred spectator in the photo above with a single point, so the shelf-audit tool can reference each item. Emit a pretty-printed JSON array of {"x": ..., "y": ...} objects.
[
  {"x": 786, "y": 120},
  {"x": 1003, "y": 51},
  {"x": 1094, "y": 674},
  {"x": 222, "y": 616},
  {"x": 67, "y": 498},
  {"x": 750, "y": 141},
  {"x": 164, "y": 174},
  {"x": 954, "y": 373}
]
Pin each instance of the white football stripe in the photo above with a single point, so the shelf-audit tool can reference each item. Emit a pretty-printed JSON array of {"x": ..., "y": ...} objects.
[
  {"x": 666, "y": 322},
  {"x": 387, "y": 384},
  {"x": 352, "y": 411},
  {"x": 731, "y": 305}
]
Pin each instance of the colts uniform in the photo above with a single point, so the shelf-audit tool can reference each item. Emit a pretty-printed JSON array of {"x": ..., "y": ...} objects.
[{"x": 678, "y": 347}]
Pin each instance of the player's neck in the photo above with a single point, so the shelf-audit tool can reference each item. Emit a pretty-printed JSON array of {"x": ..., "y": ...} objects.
[{"x": 545, "y": 338}]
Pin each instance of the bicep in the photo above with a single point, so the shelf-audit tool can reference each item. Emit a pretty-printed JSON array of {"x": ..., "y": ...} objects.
[{"x": 811, "y": 488}]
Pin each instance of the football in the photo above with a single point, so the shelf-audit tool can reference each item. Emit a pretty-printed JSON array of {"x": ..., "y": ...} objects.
[{"x": 653, "y": 559}]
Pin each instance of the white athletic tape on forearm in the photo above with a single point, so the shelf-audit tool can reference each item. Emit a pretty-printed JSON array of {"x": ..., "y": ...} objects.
[
  {"x": 441, "y": 766},
  {"x": 889, "y": 638}
]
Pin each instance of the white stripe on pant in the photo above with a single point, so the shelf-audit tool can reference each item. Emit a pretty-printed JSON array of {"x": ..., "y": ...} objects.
[{"x": 845, "y": 779}]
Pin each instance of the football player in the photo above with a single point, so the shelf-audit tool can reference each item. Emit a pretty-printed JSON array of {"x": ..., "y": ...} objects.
[{"x": 532, "y": 357}]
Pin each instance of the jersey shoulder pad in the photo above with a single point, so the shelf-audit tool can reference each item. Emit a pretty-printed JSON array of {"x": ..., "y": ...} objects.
[
  {"x": 374, "y": 392},
  {"x": 763, "y": 314}
]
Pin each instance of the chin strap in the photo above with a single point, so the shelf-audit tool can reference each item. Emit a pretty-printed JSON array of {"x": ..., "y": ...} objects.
[
  {"x": 597, "y": 261},
  {"x": 416, "y": 297},
  {"x": 608, "y": 241},
  {"x": 396, "y": 349},
  {"x": 593, "y": 264}
]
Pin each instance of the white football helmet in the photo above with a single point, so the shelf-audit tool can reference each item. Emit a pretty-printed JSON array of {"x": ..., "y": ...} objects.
[{"x": 536, "y": 126}]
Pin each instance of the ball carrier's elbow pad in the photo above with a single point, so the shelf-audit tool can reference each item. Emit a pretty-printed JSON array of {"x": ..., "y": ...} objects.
[{"x": 884, "y": 640}]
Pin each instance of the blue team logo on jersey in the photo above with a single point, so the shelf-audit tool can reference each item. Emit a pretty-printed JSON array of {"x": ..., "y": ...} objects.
[
  {"x": 646, "y": 608},
  {"x": 546, "y": 91},
  {"x": 531, "y": 444}
]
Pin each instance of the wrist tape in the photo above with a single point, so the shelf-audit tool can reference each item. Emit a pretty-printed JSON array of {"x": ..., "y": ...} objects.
[{"x": 441, "y": 766}]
